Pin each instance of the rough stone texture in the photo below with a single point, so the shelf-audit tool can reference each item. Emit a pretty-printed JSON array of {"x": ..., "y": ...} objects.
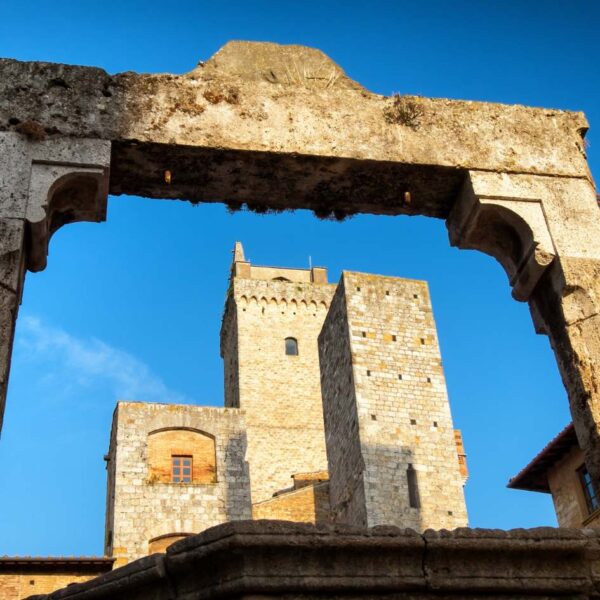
[
  {"x": 269, "y": 559},
  {"x": 386, "y": 407},
  {"x": 257, "y": 109},
  {"x": 544, "y": 231},
  {"x": 23, "y": 576},
  {"x": 43, "y": 185},
  {"x": 567, "y": 492},
  {"x": 140, "y": 507},
  {"x": 280, "y": 394}
]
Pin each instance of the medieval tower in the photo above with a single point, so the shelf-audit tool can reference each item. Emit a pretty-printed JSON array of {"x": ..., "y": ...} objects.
[
  {"x": 269, "y": 346},
  {"x": 390, "y": 440},
  {"x": 335, "y": 410}
]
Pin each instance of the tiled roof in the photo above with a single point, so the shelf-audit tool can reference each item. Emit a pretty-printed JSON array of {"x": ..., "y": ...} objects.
[{"x": 534, "y": 477}]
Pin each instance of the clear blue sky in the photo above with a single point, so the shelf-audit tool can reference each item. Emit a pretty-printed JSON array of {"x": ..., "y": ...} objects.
[{"x": 131, "y": 308}]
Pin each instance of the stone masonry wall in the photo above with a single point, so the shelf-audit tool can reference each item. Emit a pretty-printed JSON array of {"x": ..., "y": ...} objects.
[
  {"x": 344, "y": 456},
  {"x": 567, "y": 493},
  {"x": 308, "y": 504},
  {"x": 280, "y": 394},
  {"x": 144, "y": 508},
  {"x": 229, "y": 354},
  {"x": 402, "y": 405}
]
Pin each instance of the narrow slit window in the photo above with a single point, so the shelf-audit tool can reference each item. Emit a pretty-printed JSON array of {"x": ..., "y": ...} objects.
[
  {"x": 291, "y": 346},
  {"x": 591, "y": 499},
  {"x": 181, "y": 469},
  {"x": 413, "y": 487}
]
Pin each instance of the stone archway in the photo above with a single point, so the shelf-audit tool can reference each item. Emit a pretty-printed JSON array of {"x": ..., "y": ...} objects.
[{"x": 282, "y": 127}]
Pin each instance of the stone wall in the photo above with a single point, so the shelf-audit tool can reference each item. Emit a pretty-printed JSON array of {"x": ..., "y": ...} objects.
[
  {"x": 389, "y": 366},
  {"x": 567, "y": 493},
  {"x": 141, "y": 506},
  {"x": 344, "y": 455},
  {"x": 21, "y": 577},
  {"x": 280, "y": 394},
  {"x": 308, "y": 504}
]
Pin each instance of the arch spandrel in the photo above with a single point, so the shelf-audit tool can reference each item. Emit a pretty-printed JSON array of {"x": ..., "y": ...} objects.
[{"x": 510, "y": 227}]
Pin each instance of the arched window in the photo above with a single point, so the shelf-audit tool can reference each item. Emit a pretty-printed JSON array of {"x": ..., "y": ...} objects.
[
  {"x": 181, "y": 455},
  {"x": 291, "y": 346}
]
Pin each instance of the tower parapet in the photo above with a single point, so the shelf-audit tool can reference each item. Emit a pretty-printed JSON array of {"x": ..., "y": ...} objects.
[{"x": 271, "y": 323}]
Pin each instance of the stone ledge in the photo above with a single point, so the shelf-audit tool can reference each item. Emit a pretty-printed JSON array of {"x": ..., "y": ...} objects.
[{"x": 279, "y": 558}]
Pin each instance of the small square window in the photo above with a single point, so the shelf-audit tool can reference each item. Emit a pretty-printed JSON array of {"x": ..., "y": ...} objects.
[
  {"x": 364, "y": 334},
  {"x": 387, "y": 293},
  {"x": 181, "y": 469},
  {"x": 429, "y": 380},
  {"x": 400, "y": 376},
  {"x": 368, "y": 373},
  {"x": 393, "y": 338},
  {"x": 423, "y": 341},
  {"x": 413, "y": 421},
  {"x": 358, "y": 289},
  {"x": 373, "y": 417},
  {"x": 435, "y": 424},
  {"x": 415, "y": 296}
]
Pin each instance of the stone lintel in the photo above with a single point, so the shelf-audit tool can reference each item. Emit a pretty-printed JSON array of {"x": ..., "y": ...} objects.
[
  {"x": 277, "y": 559},
  {"x": 281, "y": 127}
]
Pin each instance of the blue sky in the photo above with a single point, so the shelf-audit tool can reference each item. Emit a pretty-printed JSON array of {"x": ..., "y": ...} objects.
[{"x": 130, "y": 309}]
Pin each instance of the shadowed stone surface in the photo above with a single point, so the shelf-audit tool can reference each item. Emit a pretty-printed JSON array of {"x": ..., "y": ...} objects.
[{"x": 277, "y": 559}]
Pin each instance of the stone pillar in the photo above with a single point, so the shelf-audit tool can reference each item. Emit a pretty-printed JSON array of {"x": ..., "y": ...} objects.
[
  {"x": 44, "y": 184},
  {"x": 545, "y": 231}
]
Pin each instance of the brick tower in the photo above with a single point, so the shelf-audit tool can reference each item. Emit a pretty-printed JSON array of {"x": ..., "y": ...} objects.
[{"x": 269, "y": 334}]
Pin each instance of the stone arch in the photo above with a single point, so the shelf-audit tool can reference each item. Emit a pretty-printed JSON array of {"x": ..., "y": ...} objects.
[
  {"x": 511, "y": 229},
  {"x": 408, "y": 164}
]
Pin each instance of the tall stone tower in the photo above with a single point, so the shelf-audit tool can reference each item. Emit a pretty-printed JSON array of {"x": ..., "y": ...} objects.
[
  {"x": 391, "y": 446},
  {"x": 269, "y": 334}
]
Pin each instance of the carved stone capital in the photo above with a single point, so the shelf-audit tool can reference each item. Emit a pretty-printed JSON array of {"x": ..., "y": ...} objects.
[
  {"x": 501, "y": 218},
  {"x": 51, "y": 183}
]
